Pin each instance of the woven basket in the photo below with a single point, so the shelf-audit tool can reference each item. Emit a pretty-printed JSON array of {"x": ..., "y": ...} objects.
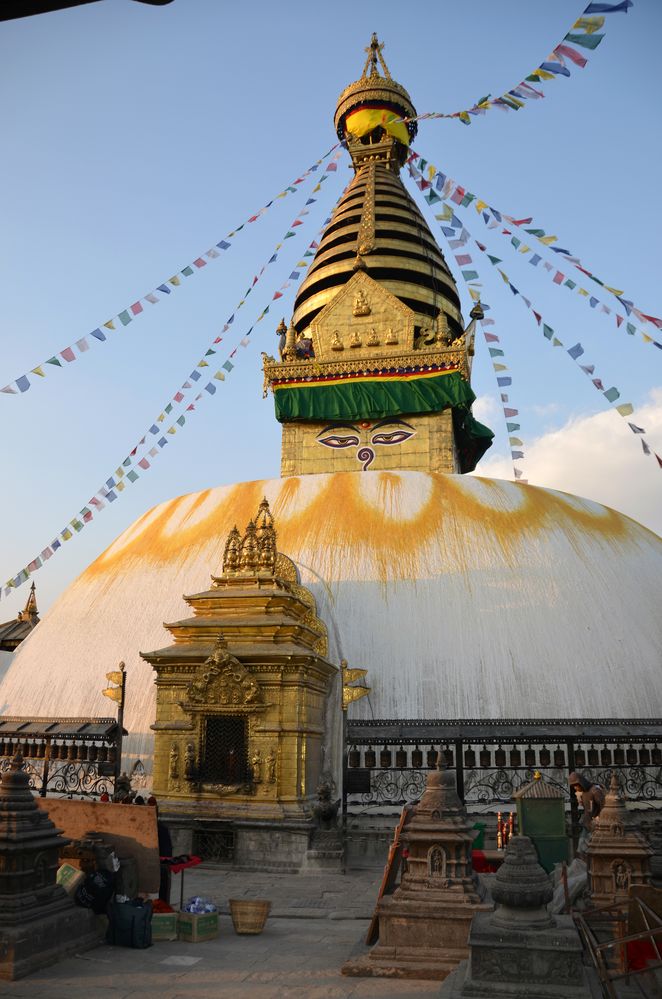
[{"x": 249, "y": 915}]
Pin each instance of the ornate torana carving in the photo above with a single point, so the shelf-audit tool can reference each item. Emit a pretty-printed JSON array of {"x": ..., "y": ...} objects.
[{"x": 223, "y": 680}]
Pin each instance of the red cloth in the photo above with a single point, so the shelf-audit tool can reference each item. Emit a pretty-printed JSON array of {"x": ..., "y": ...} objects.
[
  {"x": 640, "y": 952},
  {"x": 177, "y": 864},
  {"x": 158, "y": 905},
  {"x": 481, "y": 864}
]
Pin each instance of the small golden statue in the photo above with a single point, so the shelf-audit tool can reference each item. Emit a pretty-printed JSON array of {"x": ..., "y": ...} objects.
[
  {"x": 373, "y": 339},
  {"x": 189, "y": 762},
  {"x": 336, "y": 343},
  {"x": 256, "y": 763},
  {"x": 361, "y": 305},
  {"x": 355, "y": 339},
  {"x": 391, "y": 338}
]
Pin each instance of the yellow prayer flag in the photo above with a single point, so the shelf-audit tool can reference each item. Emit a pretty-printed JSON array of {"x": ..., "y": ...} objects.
[
  {"x": 160, "y": 418},
  {"x": 110, "y": 325},
  {"x": 175, "y": 280},
  {"x": 525, "y": 249},
  {"x": 282, "y": 194},
  {"x": 614, "y": 291},
  {"x": 171, "y": 430},
  {"x": 317, "y": 188},
  {"x": 38, "y": 371},
  {"x": 431, "y": 172},
  {"x": 202, "y": 364},
  {"x": 582, "y": 291},
  {"x": 505, "y": 277},
  {"x": 589, "y": 24},
  {"x": 115, "y": 676},
  {"x": 548, "y": 240},
  {"x": 66, "y": 534},
  {"x": 120, "y": 487},
  {"x": 543, "y": 74},
  {"x": 480, "y": 205},
  {"x": 463, "y": 116},
  {"x": 115, "y": 694},
  {"x": 475, "y": 294},
  {"x": 219, "y": 376},
  {"x": 646, "y": 338}
]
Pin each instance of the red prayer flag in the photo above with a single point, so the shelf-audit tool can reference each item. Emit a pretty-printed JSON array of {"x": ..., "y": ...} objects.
[
  {"x": 573, "y": 54},
  {"x": 199, "y": 262},
  {"x": 331, "y": 167},
  {"x": 659, "y": 460},
  {"x": 537, "y": 315},
  {"x": 136, "y": 308},
  {"x": 178, "y": 397},
  {"x": 654, "y": 320},
  {"x": 68, "y": 354},
  {"x": 277, "y": 294},
  {"x": 458, "y": 195},
  {"x": 558, "y": 277},
  {"x": 296, "y": 222},
  {"x": 143, "y": 463},
  {"x": 619, "y": 320},
  {"x": 522, "y": 221}
]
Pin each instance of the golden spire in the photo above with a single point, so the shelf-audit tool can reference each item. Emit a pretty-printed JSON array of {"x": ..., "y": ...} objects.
[
  {"x": 374, "y": 51},
  {"x": 30, "y": 611}
]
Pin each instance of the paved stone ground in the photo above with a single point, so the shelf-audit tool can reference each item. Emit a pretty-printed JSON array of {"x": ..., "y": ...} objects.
[{"x": 316, "y": 923}]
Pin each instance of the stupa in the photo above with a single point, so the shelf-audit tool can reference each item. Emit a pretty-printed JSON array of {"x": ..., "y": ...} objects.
[
  {"x": 617, "y": 856},
  {"x": 424, "y": 925},
  {"x": 424, "y": 576}
]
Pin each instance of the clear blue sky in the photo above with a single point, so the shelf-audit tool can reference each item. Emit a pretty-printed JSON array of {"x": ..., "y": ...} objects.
[{"x": 136, "y": 137}]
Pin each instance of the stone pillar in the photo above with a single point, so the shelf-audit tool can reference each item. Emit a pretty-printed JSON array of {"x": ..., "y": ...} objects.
[
  {"x": 520, "y": 951},
  {"x": 39, "y": 924}
]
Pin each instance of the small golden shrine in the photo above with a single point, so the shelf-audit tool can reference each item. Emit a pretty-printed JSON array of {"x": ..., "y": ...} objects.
[
  {"x": 374, "y": 369},
  {"x": 241, "y": 696},
  {"x": 617, "y": 856}
]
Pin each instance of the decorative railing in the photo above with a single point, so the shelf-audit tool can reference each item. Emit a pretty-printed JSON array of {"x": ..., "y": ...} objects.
[{"x": 387, "y": 762}]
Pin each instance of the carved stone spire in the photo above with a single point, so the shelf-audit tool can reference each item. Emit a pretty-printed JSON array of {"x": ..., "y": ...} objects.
[{"x": 522, "y": 889}]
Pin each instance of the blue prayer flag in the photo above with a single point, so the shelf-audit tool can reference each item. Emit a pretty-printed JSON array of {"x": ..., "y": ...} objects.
[
  {"x": 576, "y": 351},
  {"x": 23, "y": 383},
  {"x": 98, "y": 334}
]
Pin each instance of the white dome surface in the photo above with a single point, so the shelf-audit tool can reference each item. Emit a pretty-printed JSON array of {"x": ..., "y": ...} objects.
[{"x": 462, "y": 597}]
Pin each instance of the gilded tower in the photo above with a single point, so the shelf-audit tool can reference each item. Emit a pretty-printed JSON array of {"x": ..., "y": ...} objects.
[{"x": 375, "y": 366}]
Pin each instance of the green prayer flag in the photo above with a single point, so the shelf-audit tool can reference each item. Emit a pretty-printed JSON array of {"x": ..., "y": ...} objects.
[
  {"x": 288, "y": 234},
  {"x": 631, "y": 329},
  {"x": 612, "y": 394},
  {"x": 512, "y": 427},
  {"x": 586, "y": 41},
  {"x": 547, "y": 331},
  {"x": 53, "y": 360},
  {"x": 124, "y": 318},
  {"x": 494, "y": 260},
  {"x": 187, "y": 271},
  {"x": 181, "y": 420},
  {"x": 495, "y": 352},
  {"x": 132, "y": 476},
  {"x": 470, "y": 275},
  {"x": 570, "y": 284}
]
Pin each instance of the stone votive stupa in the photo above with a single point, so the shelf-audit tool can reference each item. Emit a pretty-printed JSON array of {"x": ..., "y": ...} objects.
[
  {"x": 520, "y": 951},
  {"x": 39, "y": 923},
  {"x": 617, "y": 857},
  {"x": 424, "y": 925}
]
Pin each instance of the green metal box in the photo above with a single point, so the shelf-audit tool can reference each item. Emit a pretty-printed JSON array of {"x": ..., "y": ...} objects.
[{"x": 541, "y": 817}]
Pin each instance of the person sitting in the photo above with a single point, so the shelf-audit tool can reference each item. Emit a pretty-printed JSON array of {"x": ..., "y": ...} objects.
[{"x": 591, "y": 798}]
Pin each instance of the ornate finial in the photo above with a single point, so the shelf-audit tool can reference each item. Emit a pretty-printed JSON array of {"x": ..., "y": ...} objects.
[
  {"x": 537, "y": 775},
  {"x": 232, "y": 551},
  {"x": 477, "y": 311},
  {"x": 290, "y": 351},
  {"x": 30, "y": 611},
  {"x": 266, "y": 537},
  {"x": 249, "y": 557},
  {"x": 374, "y": 51}
]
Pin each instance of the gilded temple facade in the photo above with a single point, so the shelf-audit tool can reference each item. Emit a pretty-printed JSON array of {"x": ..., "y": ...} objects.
[
  {"x": 241, "y": 700},
  {"x": 374, "y": 370}
]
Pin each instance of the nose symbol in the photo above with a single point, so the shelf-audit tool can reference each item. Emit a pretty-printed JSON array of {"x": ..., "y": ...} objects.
[{"x": 367, "y": 456}]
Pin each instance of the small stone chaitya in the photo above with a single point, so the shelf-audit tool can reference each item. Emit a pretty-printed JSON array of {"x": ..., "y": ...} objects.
[
  {"x": 424, "y": 925},
  {"x": 520, "y": 951},
  {"x": 39, "y": 924},
  {"x": 617, "y": 857}
]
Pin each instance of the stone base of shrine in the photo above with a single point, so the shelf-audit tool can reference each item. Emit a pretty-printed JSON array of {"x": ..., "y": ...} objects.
[
  {"x": 521, "y": 964},
  {"x": 59, "y": 929},
  {"x": 417, "y": 939}
]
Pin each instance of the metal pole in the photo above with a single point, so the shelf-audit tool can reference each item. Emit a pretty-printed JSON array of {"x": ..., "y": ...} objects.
[
  {"x": 344, "y": 788},
  {"x": 459, "y": 769},
  {"x": 120, "y": 725},
  {"x": 574, "y": 807}
]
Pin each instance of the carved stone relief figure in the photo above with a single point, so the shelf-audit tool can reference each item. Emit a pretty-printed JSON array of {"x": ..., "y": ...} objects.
[
  {"x": 256, "y": 764},
  {"x": 437, "y": 862},
  {"x": 173, "y": 765},
  {"x": 621, "y": 874},
  {"x": 361, "y": 305},
  {"x": 189, "y": 761},
  {"x": 271, "y": 767}
]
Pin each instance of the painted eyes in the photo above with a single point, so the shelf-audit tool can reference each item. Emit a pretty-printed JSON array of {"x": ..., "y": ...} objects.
[
  {"x": 335, "y": 440},
  {"x": 396, "y": 437}
]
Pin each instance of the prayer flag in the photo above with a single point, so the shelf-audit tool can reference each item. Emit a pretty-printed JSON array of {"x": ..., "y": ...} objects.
[
  {"x": 504, "y": 381},
  {"x": 143, "y": 463},
  {"x": 558, "y": 277},
  {"x": 499, "y": 367},
  {"x": 547, "y": 331},
  {"x": 572, "y": 54},
  {"x": 625, "y": 409},
  {"x": 588, "y": 369},
  {"x": 124, "y": 318},
  {"x": 132, "y": 476},
  {"x": 635, "y": 429},
  {"x": 515, "y": 442},
  {"x": 209, "y": 387},
  {"x": 23, "y": 383},
  {"x": 195, "y": 376},
  {"x": 8, "y": 390},
  {"x": 110, "y": 325},
  {"x": 517, "y": 455},
  {"x": 136, "y": 308},
  {"x": 67, "y": 354},
  {"x": 555, "y": 67},
  {"x": 608, "y": 8},
  {"x": 535, "y": 259},
  {"x": 612, "y": 394},
  {"x": 98, "y": 335},
  {"x": 576, "y": 351},
  {"x": 181, "y": 420},
  {"x": 470, "y": 275},
  {"x": 219, "y": 376},
  {"x": 187, "y": 271},
  {"x": 228, "y": 365},
  {"x": 512, "y": 427},
  {"x": 495, "y": 352},
  {"x": 511, "y": 412},
  {"x": 644, "y": 446},
  {"x": 585, "y": 41},
  {"x": 200, "y": 262},
  {"x": 490, "y": 337},
  {"x": 82, "y": 345}
]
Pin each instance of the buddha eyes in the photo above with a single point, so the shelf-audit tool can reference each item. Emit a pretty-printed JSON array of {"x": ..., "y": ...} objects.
[
  {"x": 396, "y": 437},
  {"x": 335, "y": 440}
]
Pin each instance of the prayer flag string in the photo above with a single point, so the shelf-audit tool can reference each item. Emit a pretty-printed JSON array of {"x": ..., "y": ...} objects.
[
  {"x": 460, "y": 237},
  {"x": 128, "y": 314},
  {"x": 440, "y": 187},
  {"x": 124, "y": 475},
  {"x": 564, "y": 57}
]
